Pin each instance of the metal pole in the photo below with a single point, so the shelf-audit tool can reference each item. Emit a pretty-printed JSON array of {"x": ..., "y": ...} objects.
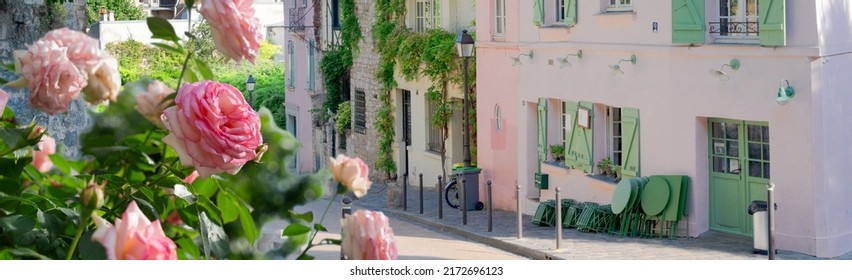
[
  {"x": 421, "y": 193},
  {"x": 463, "y": 191},
  {"x": 405, "y": 191},
  {"x": 558, "y": 219},
  {"x": 346, "y": 210},
  {"x": 520, "y": 214},
  {"x": 770, "y": 217},
  {"x": 440, "y": 202},
  {"x": 490, "y": 207},
  {"x": 466, "y": 140}
]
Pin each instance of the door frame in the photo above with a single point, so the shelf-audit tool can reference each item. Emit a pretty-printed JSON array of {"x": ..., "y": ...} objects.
[{"x": 748, "y": 186}]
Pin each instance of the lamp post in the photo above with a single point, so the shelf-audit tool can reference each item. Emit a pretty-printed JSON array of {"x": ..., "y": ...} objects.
[
  {"x": 250, "y": 89},
  {"x": 464, "y": 43}
]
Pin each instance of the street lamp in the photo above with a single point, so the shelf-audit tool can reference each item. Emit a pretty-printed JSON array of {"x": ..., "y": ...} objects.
[
  {"x": 464, "y": 43},
  {"x": 250, "y": 89}
]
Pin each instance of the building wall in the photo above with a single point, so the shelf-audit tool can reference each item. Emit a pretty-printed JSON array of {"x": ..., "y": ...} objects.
[
  {"x": 833, "y": 215},
  {"x": 675, "y": 96},
  {"x": 117, "y": 31},
  {"x": 366, "y": 145},
  {"x": 299, "y": 99}
]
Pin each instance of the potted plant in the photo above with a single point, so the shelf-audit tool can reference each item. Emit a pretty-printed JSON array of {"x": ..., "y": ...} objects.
[
  {"x": 605, "y": 167},
  {"x": 616, "y": 172},
  {"x": 557, "y": 152}
]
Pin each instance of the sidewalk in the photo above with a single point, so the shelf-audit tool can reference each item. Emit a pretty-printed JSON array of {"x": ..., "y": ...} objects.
[{"x": 539, "y": 242}]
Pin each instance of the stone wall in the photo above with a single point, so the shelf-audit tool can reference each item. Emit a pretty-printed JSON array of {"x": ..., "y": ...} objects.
[
  {"x": 23, "y": 22},
  {"x": 366, "y": 145}
]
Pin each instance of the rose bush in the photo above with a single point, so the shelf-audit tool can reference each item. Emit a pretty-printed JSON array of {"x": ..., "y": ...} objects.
[{"x": 189, "y": 175}]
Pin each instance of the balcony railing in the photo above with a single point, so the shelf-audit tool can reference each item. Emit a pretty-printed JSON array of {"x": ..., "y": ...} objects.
[
  {"x": 734, "y": 28},
  {"x": 297, "y": 19}
]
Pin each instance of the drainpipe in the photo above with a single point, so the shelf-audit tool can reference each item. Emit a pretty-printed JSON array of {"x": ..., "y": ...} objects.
[{"x": 770, "y": 216}]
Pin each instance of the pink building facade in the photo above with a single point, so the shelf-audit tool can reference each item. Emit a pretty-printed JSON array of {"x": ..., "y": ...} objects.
[
  {"x": 683, "y": 87},
  {"x": 304, "y": 86}
]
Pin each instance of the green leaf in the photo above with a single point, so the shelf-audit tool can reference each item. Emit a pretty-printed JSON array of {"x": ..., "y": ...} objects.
[
  {"x": 320, "y": 227},
  {"x": 296, "y": 229},
  {"x": 213, "y": 238},
  {"x": 146, "y": 206},
  {"x": 187, "y": 249},
  {"x": 89, "y": 249},
  {"x": 10, "y": 67},
  {"x": 3, "y": 81},
  {"x": 189, "y": 3},
  {"x": 204, "y": 69},
  {"x": 307, "y": 216},
  {"x": 206, "y": 187},
  {"x": 183, "y": 193},
  {"x": 27, "y": 253},
  {"x": 11, "y": 167},
  {"x": 229, "y": 206},
  {"x": 306, "y": 257},
  {"x": 162, "y": 29},
  {"x": 248, "y": 224}
]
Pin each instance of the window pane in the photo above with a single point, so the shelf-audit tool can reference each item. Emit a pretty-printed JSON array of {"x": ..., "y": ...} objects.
[
  {"x": 754, "y": 168},
  {"x": 766, "y": 170},
  {"x": 765, "y": 134},
  {"x": 719, "y": 165},
  {"x": 754, "y": 133},
  {"x": 733, "y": 149},
  {"x": 754, "y": 151},
  {"x": 766, "y": 151},
  {"x": 732, "y": 130},
  {"x": 717, "y": 130}
]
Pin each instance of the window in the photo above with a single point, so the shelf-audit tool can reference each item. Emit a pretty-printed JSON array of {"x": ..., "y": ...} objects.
[
  {"x": 360, "y": 112},
  {"x": 305, "y": 3},
  {"x": 427, "y": 15},
  {"x": 311, "y": 65},
  {"x": 620, "y": 6},
  {"x": 614, "y": 137},
  {"x": 335, "y": 14},
  {"x": 435, "y": 132},
  {"x": 737, "y": 20},
  {"x": 565, "y": 121},
  {"x": 291, "y": 68},
  {"x": 499, "y": 17},
  {"x": 560, "y": 11}
]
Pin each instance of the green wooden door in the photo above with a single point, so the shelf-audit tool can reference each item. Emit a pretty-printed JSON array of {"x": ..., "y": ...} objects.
[{"x": 737, "y": 164}]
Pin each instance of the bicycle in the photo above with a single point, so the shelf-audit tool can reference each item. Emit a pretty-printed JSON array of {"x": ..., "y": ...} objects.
[{"x": 451, "y": 196}]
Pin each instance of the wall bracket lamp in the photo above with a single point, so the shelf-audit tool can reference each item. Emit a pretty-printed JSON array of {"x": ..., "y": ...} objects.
[
  {"x": 785, "y": 93},
  {"x": 516, "y": 60},
  {"x": 721, "y": 75},
  {"x": 563, "y": 61},
  {"x": 616, "y": 68}
]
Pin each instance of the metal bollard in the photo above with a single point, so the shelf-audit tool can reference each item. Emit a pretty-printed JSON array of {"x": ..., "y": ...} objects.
[
  {"x": 770, "y": 217},
  {"x": 490, "y": 206},
  {"x": 440, "y": 202},
  {"x": 421, "y": 193},
  {"x": 558, "y": 219},
  {"x": 520, "y": 214},
  {"x": 404, "y": 191},
  {"x": 346, "y": 210},
  {"x": 463, "y": 191}
]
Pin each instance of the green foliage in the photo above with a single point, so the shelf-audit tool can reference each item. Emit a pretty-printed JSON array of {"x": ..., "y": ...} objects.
[
  {"x": 344, "y": 117},
  {"x": 335, "y": 63},
  {"x": 56, "y": 15},
  {"x": 136, "y": 60},
  {"x": 123, "y": 9}
]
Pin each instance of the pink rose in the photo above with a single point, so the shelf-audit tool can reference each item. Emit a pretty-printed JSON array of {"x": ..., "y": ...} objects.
[
  {"x": 104, "y": 80},
  {"x": 148, "y": 103},
  {"x": 82, "y": 50},
  {"x": 134, "y": 237},
  {"x": 4, "y": 97},
  {"x": 352, "y": 173},
  {"x": 368, "y": 236},
  {"x": 52, "y": 78},
  {"x": 41, "y": 157},
  {"x": 212, "y": 128},
  {"x": 234, "y": 27},
  {"x": 191, "y": 177}
]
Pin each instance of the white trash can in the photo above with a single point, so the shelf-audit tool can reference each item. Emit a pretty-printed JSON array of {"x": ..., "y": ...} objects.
[{"x": 760, "y": 225}]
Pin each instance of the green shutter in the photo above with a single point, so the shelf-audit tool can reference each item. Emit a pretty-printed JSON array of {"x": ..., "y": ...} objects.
[
  {"x": 570, "y": 12},
  {"x": 688, "y": 21},
  {"x": 570, "y": 127},
  {"x": 579, "y": 147},
  {"x": 538, "y": 12},
  {"x": 772, "y": 18},
  {"x": 629, "y": 142},
  {"x": 542, "y": 129}
]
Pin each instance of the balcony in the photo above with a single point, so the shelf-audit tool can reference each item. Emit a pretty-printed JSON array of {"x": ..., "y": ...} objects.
[{"x": 297, "y": 19}]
